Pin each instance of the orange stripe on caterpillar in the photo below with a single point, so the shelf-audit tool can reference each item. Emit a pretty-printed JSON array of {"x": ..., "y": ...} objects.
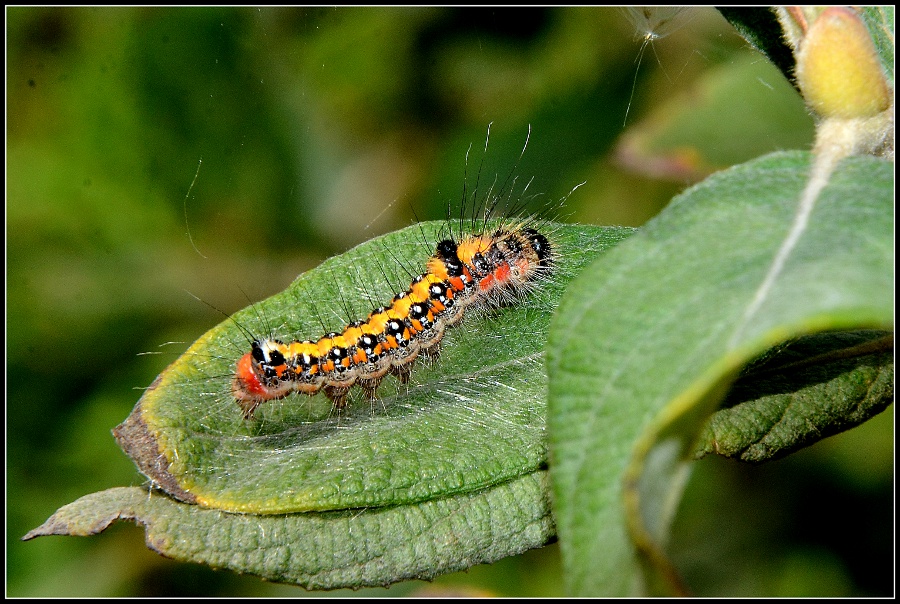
[{"x": 480, "y": 270}]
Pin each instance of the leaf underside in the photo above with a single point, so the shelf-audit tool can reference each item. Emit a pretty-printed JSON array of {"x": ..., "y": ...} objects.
[
  {"x": 819, "y": 386},
  {"x": 329, "y": 550}
]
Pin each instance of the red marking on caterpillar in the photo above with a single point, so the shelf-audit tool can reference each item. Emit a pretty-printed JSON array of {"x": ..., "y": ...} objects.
[{"x": 478, "y": 271}]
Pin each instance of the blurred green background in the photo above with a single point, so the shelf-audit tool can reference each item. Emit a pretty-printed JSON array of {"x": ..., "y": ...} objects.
[{"x": 158, "y": 156}]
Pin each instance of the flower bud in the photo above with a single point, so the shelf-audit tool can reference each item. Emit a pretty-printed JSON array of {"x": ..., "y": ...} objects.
[{"x": 838, "y": 69}]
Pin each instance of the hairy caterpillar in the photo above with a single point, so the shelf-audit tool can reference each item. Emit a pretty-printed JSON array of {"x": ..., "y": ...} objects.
[
  {"x": 479, "y": 412},
  {"x": 481, "y": 269}
]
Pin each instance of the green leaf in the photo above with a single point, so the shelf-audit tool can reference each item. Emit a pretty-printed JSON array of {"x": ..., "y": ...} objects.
[
  {"x": 880, "y": 21},
  {"x": 474, "y": 419},
  {"x": 465, "y": 437},
  {"x": 328, "y": 550},
  {"x": 648, "y": 339},
  {"x": 732, "y": 114},
  {"x": 816, "y": 386}
]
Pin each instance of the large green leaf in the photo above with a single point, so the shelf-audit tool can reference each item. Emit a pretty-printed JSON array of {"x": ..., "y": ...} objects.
[
  {"x": 327, "y": 550},
  {"x": 474, "y": 419},
  {"x": 447, "y": 470},
  {"x": 648, "y": 339}
]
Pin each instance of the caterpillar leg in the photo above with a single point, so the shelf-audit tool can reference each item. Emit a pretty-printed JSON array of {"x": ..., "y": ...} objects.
[
  {"x": 337, "y": 395},
  {"x": 402, "y": 372},
  {"x": 249, "y": 406},
  {"x": 432, "y": 353},
  {"x": 369, "y": 387}
]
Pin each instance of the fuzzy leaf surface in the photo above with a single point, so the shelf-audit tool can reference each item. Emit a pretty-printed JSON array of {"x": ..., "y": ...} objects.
[
  {"x": 474, "y": 419},
  {"x": 328, "y": 550}
]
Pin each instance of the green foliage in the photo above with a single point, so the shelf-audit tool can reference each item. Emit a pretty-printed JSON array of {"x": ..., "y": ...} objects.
[
  {"x": 327, "y": 550},
  {"x": 698, "y": 293},
  {"x": 815, "y": 386},
  {"x": 880, "y": 22}
]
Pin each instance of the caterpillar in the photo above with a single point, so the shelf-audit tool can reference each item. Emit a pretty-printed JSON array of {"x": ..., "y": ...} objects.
[
  {"x": 482, "y": 269},
  {"x": 189, "y": 435},
  {"x": 479, "y": 413}
]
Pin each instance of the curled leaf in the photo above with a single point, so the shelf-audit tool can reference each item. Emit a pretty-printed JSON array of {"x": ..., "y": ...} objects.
[
  {"x": 434, "y": 477},
  {"x": 475, "y": 418},
  {"x": 818, "y": 386},
  {"x": 648, "y": 340}
]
